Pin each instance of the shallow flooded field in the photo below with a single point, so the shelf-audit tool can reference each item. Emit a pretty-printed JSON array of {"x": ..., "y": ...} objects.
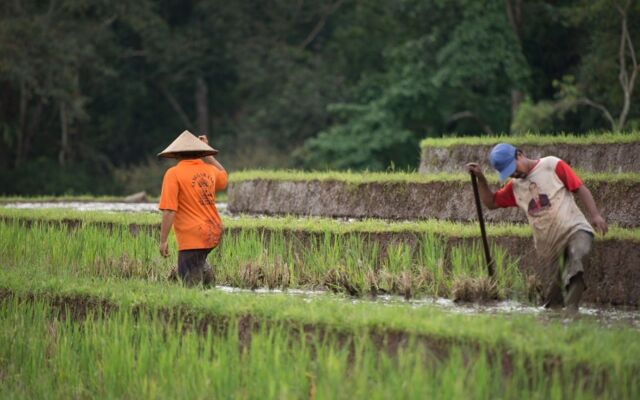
[
  {"x": 606, "y": 316},
  {"x": 95, "y": 206},
  {"x": 292, "y": 315}
]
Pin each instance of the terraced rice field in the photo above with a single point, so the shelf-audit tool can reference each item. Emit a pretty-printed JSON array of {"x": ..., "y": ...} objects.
[
  {"x": 417, "y": 259},
  {"x": 132, "y": 338},
  {"x": 316, "y": 307},
  {"x": 593, "y": 153},
  {"x": 251, "y": 258},
  {"x": 404, "y": 196}
]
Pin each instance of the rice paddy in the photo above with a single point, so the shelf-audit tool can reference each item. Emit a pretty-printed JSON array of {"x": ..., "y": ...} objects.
[
  {"x": 254, "y": 259},
  {"x": 602, "y": 154},
  {"x": 307, "y": 224},
  {"x": 124, "y": 355},
  {"x": 405, "y": 196},
  {"x": 360, "y": 258},
  {"x": 536, "y": 139},
  {"x": 87, "y": 310},
  {"x": 131, "y": 338},
  {"x": 364, "y": 178}
]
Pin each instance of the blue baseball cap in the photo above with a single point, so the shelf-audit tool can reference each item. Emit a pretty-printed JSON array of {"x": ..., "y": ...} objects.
[{"x": 503, "y": 159}]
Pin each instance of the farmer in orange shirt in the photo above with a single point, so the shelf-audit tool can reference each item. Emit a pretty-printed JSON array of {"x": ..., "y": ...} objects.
[{"x": 188, "y": 204}]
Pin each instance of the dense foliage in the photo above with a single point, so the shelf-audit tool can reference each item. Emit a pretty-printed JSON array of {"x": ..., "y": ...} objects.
[{"x": 92, "y": 90}]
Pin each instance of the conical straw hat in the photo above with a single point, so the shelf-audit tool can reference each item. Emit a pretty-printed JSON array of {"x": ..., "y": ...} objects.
[{"x": 188, "y": 144}]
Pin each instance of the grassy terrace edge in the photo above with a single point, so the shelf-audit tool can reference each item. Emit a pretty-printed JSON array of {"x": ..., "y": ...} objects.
[
  {"x": 582, "y": 341},
  {"x": 533, "y": 139},
  {"x": 311, "y": 224},
  {"x": 358, "y": 178}
]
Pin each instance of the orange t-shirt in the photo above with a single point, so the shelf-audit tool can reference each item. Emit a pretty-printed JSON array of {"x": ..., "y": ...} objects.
[{"x": 189, "y": 189}]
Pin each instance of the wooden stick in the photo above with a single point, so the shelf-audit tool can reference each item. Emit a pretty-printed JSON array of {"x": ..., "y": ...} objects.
[{"x": 487, "y": 256}]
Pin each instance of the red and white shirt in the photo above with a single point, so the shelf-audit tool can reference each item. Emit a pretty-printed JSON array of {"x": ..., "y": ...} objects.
[{"x": 546, "y": 197}]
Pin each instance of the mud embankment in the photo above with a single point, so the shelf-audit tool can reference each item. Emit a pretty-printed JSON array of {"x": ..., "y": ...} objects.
[
  {"x": 610, "y": 157},
  {"x": 74, "y": 224},
  {"x": 617, "y": 200}
]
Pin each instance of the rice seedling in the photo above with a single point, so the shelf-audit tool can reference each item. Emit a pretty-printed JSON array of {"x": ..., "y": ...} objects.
[
  {"x": 249, "y": 258},
  {"x": 50, "y": 352},
  {"x": 141, "y": 221},
  {"x": 431, "y": 260},
  {"x": 583, "y": 341},
  {"x": 88, "y": 251}
]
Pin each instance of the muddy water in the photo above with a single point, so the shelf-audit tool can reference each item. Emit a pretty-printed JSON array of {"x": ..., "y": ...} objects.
[
  {"x": 606, "y": 316},
  {"x": 99, "y": 206}
]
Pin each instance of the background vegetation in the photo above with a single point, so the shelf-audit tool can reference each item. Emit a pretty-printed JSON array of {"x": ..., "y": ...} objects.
[{"x": 92, "y": 90}]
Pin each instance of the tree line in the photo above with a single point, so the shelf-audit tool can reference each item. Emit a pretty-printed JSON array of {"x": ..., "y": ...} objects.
[{"x": 91, "y": 90}]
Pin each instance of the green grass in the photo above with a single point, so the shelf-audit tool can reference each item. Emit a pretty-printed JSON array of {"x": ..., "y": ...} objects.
[
  {"x": 313, "y": 225},
  {"x": 348, "y": 177},
  {"x": 120, "y": 356},
  {"x": 363, "y": 178},
  {"x": 533, "y": 139},
  {"x": 581, "y": 341},
  {"x": 56, "y": 214},
  {"x": 250, "y": 258}
]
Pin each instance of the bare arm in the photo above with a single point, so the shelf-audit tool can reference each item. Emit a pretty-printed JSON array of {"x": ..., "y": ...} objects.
[
  {"x": 210, "y": 159},
  {"x": 167, "y": 222},
  {"x": 486, "y": 195},
  {"x": 599, "y": 224}
]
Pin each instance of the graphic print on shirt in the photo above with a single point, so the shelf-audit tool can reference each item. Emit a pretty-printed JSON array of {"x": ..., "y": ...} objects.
[
  {"x": 211, "y": 231},
  {"x": 205, "y": 186},
  {"x": 539, "y": 201}
]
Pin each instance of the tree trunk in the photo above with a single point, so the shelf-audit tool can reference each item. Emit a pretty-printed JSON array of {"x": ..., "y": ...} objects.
[
  {"x": 627, "y": 82},
  {"x": 32, "y": 127},
  {"x": 516, "y": 99},
  {"x": 514, "y": 13},
  {"x": 202, "y": 106},
  {"x": 64, "y": 139},
  {"x": 176, "y": 106},
  {"x": 318, "y": 27},
  {"x": 22, "y": 117}
]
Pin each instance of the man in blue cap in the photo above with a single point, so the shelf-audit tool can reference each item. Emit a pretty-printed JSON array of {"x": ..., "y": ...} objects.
[{"x": 544, "y": 189}]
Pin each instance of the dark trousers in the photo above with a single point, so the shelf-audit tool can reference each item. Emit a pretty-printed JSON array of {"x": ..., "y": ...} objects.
[{"x": 193, "y": 267}]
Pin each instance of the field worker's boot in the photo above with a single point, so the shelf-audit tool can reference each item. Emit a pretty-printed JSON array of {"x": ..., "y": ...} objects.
[{"x": 574, "y": 293}]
